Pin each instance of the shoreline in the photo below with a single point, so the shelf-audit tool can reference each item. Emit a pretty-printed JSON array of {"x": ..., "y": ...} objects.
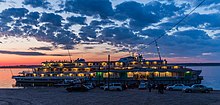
[{"x": 59, "y": 96}]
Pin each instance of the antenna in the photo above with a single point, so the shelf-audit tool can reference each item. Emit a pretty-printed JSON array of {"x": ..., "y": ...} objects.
[
  {"x": 158, "y": 49},
  {"x": 69, "y": 55}
]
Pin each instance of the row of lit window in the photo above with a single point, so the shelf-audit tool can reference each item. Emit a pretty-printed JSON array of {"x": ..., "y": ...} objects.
[
  {"x": 88, "y": 64},
  {"x": 61, "y": 75},
  {"x": 148, "y": 63}
]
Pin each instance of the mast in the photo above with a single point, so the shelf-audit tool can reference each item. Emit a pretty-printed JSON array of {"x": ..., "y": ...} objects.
[
  {"x": 69, "y": 55},
  {"x": 158, "y": 49}
]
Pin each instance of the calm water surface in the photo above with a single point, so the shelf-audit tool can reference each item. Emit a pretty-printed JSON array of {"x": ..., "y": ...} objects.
[
  {"x": 211, "y": 76},
  {"x": 6, "y": 80}
]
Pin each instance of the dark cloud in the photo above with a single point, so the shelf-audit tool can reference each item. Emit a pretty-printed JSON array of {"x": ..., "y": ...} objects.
[
  {"x": 51, "y": 18},
  {"x": 15, "y": 12},
  {"x": 142, "y": 15},
  {"x": 208, "y": 21},
  {"x": 56, "y": 35},
  {"x": 68, "y": 47},
  {"x": 4, "y": 29},
  {"x": 33, "y": 15},
  {"x": 153, "y": 32},
  {"x": 103, "y": 8},
  {"x": 206, "y": 3},
  {"x": 162, "y": 10},
  {"x": 37, "y": 3},
  {"x": 118, "y": 34},
  {"x": 136, "y": 12},
  {"x": 101, "y": 22},
  {"x": 193, "y": 34},
  {"x": 41, "y": 48},
  {"x": 77, "y": 20},
  {"x": 23, "y": 53},
  {"x": 188, "y": 43},
  {"x": 57, "y": 55},
  {"x": 88, "y": 48},
  {"x": 88, "y": 31},
  {"x": 91, "y": 29}
]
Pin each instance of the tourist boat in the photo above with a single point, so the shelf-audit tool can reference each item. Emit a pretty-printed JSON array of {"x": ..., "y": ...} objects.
[{"x": 125, "y": 70}]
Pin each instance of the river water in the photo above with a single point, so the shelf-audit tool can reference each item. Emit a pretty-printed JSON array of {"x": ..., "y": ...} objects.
[{"x": 211, "y": 76}]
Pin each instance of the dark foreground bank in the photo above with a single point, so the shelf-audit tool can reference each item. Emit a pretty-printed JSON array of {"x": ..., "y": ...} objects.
[{"x": 59, "y": 96}]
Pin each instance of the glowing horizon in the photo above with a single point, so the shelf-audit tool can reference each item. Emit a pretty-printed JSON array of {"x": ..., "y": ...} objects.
[{"x": 33, "y": 32}]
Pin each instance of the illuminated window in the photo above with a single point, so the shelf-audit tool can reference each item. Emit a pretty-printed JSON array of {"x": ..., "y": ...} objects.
[
  {"x": 155, "y": 62},
  {"x": 130, "y": 68},
  {"x": 91, "y": 74},
  {"x": 162, "y": 74},
  {"x": 43, "y": 64},
  {"x": 175, "y": 67},
  {"x": 104, "y": 64},
  {"x": 153, "y": 67},
  {"x": 34, "y": 75},
  {"x": 51, "y": 75},
  {"x": 147, "y": 63},
  {"x": 80, "y": 64},
  {"x": 117, "y": 68},
  {"x": 75, "y": 69},
  {"x": 42, "y": 75},
  {"x": 54, "y": 69},
  {"x": 61, "y": 64},
  {"x": 116, "y": 63},
  {"x": 164, "y": 67},
  {"x": 156, "y": 74},
  {"x": 130, "y": 74},
  {"x": 70, "y": 74},
  {"x": 45, "y": 70},
  {"x": 147, "y": 73},
  {"x": 90, "y": 64},
  {"x": 87, "y": 69},
  {"x": 164, "y": 62},
  {"x": 133, "y": 63},
  {"x": 36, "y": 69},
  {"x": 50, "y": 64},
  {"x": 80, "y": 74},
  {"x": 65, "y": 69},
  {"x": 168, "y": 74},
  {"x": 106, "y": 74},
  {"x": 61, "y": 75}
]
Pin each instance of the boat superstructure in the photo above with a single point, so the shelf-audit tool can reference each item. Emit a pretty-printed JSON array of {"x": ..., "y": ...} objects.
[{"x": 127, "y": 69}]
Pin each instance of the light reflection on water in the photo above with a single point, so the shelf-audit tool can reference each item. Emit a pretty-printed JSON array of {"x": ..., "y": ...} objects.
[
  {"x": 6, "y": 80},
  {"x": 211, "y": 76}
]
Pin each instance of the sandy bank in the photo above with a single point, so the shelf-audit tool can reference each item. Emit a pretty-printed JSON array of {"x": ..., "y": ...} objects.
[{"x": 59, "y": 96}]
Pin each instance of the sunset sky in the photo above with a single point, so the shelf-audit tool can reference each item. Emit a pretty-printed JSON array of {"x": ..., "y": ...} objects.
[{"x": 32, "y": 31}]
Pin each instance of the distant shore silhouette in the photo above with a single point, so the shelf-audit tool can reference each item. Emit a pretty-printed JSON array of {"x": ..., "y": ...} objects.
[{"x": 186, "y": 64}]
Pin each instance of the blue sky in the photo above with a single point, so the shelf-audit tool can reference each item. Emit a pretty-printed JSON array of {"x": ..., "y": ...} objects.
[{"x": 49, "y": 27}]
